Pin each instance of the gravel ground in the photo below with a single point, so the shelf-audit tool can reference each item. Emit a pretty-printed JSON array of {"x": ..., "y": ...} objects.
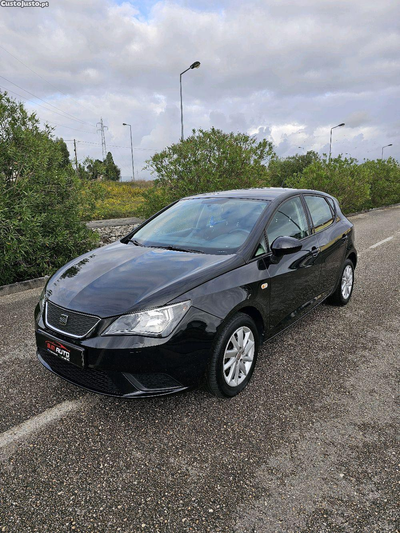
[{"x": 310, "y": 445}]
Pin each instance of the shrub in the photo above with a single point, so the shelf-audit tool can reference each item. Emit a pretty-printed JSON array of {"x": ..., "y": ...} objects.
[
  {"x": 384, "y": 180},
  {"x": 206, "y": 161},
  {"x": 283, "y": 169},
  {"x": 40, "y": 199},
  {"x": 343, "y": 178}
]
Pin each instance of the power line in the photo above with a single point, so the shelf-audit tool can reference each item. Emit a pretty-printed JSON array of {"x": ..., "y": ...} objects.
[
  {"x": 48, "y": 103},
  {"x": 69, "y": 127},
  {"x": 118, "y": 146},
  {"x": 47, "y": 109},
  {"x": 41, "y": 77}
]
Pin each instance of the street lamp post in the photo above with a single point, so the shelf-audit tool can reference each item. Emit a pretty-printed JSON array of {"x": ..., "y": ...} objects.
[
  {"x": 383, "y": 147},
  {"x": 196, "y": 64},
  {"x": 133, "y": 163},
  {"x": 330, "y": 139}
]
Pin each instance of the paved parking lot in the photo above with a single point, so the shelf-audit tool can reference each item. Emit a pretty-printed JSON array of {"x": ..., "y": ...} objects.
[{"x": 310, "y": 445}]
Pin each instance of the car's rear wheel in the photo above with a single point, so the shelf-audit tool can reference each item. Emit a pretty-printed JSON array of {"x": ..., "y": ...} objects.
[
  {"x": 234, "y": 357},
  {"x": 344, "y": 290}
]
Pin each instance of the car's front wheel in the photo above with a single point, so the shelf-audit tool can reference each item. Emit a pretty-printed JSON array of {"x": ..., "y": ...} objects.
[
  {"x": 234, "y": 357},
  {"x": 344, "y": 290}
]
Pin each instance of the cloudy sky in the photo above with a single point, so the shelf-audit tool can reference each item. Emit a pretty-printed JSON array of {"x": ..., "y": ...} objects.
[{"x": 286, "y": 70}]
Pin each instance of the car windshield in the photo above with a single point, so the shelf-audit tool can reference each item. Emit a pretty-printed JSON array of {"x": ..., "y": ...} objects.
[{"x": 207, "y": 225}]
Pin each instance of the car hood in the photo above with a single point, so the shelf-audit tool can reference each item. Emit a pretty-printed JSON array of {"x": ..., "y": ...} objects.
[{"x": 122, "y": 278}]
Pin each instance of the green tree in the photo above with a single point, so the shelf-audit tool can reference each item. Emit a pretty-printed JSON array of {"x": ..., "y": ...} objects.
[
  {"x": 384, "y": 180},
  {"x": 112, "y": 172},
  {"x": 283, "y": 169},
  {"x": 65, "y": 162},
  {"x": 344, "y": 178},
  {"x": 40, "y": 199},
  {"x": 206, "y": 161},
  {"x": 94, "y": 169}
]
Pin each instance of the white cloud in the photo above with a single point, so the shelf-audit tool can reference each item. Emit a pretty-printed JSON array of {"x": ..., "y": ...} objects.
[{"x": 283, "y": 70}]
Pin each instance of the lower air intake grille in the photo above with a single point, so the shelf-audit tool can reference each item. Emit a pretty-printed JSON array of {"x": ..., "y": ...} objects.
[
  {"x": 157, "y": 381},
  {"x": 90, "y": 378},
  {"x": 69, "y": 322}
]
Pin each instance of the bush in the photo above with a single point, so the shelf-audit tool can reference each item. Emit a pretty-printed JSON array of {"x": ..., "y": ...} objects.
[
  {"x": 282, "y": 169},
  {"x": 40, "y": 199},
  {"x": 206, "y": 161},
  {"x": 384, "y": 180},
  {"x": 343, "y": 178}
]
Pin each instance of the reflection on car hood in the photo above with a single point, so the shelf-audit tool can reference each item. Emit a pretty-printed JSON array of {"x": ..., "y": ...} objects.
[{"x": 120, "y": 278}]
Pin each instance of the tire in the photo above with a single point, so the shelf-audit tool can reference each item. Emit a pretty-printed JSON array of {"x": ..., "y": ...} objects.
[
  {"x": 344, "y": 290},
  {"x": 228, "y": 383}
]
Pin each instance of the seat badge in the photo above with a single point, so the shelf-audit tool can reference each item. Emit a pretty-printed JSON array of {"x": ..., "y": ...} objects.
[
  {"x": 63, "y": 320},
  {"x": 264, "y": 285}
]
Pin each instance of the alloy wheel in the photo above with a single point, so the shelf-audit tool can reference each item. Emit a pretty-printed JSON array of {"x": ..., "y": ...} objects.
[
  {"x": 238, "y": 356},
  {"x": 347, "y": 282}
]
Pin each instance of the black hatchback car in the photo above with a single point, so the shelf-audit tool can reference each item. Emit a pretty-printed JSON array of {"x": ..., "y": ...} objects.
[{"x": 188, "y": 297}]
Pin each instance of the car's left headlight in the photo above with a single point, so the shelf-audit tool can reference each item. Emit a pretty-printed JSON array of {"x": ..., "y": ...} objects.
[{"x": 152, "y": 323}]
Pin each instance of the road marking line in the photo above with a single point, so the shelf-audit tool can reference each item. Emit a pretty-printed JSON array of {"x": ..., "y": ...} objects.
[
  {"x": 382, "y": 242},
  {"x": 36, "y": 423}
]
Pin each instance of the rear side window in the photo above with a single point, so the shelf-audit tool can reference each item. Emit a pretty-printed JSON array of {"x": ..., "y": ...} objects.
[
  {"x": 321, "y": 213},
  {"x": 289, "y": 220}
]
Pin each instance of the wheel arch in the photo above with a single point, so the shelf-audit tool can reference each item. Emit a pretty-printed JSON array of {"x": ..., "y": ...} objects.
[
  {"x": 353, "y": 258},
  {"x": 256, "y": 315}
]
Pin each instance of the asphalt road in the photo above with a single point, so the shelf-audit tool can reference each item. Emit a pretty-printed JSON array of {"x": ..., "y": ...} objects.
[{"x": 310, "y": 445}]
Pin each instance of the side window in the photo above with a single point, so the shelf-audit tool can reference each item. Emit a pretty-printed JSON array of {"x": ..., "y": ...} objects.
[
  {"x": 288, "y": 221},
  {"x": 331, "y": 204},
  {"x": 320, "y": 211},
  {"x": 262, "y": 248}
]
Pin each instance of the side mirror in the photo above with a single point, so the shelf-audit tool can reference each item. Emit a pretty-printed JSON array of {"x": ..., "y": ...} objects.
[{"x": 285, "y": 245}]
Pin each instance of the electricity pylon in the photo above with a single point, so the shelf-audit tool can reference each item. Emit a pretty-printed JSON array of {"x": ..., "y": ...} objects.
[{"x": 101, "y": 129}]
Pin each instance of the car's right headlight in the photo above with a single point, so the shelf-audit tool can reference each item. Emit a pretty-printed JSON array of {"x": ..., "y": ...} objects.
[
  {"x": 152, "y": 323},
  {"x": 42, "y": 300}
]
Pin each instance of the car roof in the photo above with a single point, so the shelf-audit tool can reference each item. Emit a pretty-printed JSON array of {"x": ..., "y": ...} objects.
[{"x": 264, "y": 193}]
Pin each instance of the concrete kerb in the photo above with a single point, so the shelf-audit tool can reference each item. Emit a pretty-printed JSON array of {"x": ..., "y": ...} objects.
[
  {"x": 114, "y": 222},
  {"x": 23, "y": 285}
]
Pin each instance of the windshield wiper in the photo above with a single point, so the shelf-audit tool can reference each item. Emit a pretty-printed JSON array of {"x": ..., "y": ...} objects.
[
  {"x": 176, "y": 249},
  {"x": 135, "y": 242}
]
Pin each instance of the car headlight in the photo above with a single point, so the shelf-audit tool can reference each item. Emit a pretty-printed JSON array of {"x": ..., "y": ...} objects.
[
  {"x": 152, "y": 323},
  {"x": 42, "y": 300}
]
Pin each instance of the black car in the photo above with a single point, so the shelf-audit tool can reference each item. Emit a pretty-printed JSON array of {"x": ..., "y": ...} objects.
[{"x": 188, "y": 297}]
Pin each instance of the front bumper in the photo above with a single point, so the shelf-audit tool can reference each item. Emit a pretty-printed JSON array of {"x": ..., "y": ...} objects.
[
  {"x": 119, "y": 384},
  {"x": 133, "y": 366}
]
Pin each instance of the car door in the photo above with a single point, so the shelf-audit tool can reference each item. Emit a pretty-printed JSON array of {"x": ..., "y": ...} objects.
[
  {"x": 331, "y": 240},
  {"x": 294, "y": 278}
]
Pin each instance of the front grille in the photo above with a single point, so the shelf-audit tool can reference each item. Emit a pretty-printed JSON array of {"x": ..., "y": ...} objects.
[
  {"x": 77, "y": 324},
  {"x": 96, "y": 380},
  {"x": 157, "y": 381}
]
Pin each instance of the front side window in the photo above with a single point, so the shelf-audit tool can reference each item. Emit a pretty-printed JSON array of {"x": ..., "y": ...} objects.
[
  {"x": 320, "y": 211},
  {"x": 208, "y": 225},
  {"x": 289, "y": 220}
]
